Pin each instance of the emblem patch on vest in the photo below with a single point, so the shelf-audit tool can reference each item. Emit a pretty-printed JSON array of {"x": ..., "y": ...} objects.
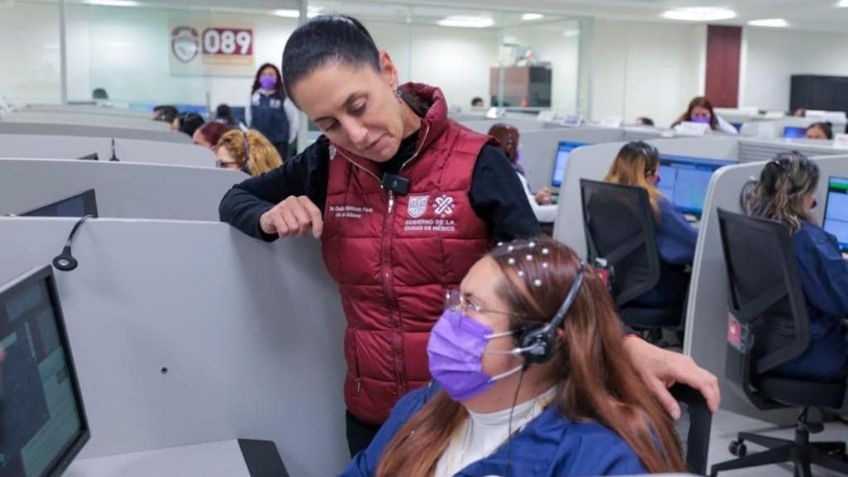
[
  {"x": 417, "y": 205},
  {"x": 444, "y": 205}
]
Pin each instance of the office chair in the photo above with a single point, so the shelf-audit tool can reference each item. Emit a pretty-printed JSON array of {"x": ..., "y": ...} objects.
[
  {"x": 693, "y": 427},
  {"x": 768, "y": 325},
  {"x": 619, "y": 226}
]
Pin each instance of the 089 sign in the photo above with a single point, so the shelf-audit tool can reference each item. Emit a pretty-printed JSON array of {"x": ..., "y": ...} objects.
[
  {"x": 204, "y": 49},
  {"x": 228, "y": 42}
]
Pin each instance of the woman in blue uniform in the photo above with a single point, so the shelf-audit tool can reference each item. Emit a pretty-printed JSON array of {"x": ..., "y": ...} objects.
[
  {"x": 270, "y": 111},
  {"x": 638, "y": 165},
  {"x": 785, "y": 192},
  {"x": 531, "y": 379}
]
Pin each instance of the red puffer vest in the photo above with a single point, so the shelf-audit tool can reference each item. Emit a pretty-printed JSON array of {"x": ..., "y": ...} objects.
[{"x": 394, "y": 256}]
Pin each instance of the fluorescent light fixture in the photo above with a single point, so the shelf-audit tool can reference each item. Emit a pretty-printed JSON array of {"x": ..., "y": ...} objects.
[
  {"x": 770, "y": 22},
  {"x": 842, "y": 4},
  {"x": 529, "y": 17},
  {"x": 114, "y": 3},
  {"x": 570, "y": 33},
  {"x": 291, "y": 13},
  {"x": 699, "y": 14},
  {"x": 464, "y": 21}
]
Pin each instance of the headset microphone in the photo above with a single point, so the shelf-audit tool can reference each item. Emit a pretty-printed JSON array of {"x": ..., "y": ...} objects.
[{"x": 65, "y": 261}]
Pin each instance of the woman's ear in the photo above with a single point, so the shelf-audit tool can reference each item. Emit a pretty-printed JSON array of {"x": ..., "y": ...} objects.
[{"x": 388, "y": 70}]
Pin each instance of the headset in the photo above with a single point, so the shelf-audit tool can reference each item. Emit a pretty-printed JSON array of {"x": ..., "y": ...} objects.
[
  {"x": 65, "y": 261},
  {"x": 246, "y": 166},
  {"x": 536, "y": 345}
]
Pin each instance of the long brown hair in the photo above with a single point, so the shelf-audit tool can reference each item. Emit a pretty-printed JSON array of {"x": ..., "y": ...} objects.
[
  {"x": 251, "y": 148},
  {"x": 698, "y": 101},
  {"x": 507, "y": 137},
  {"x": 594, "y": 377},
  {"x": 784, "y": 184},
  {"x": 634, "y": 163}
]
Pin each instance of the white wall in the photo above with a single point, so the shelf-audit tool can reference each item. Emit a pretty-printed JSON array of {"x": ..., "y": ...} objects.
[
  {"x": 29, "y": 52},
  {"x": 773, "y": 56},
  {"x": 646, "y": 69}
]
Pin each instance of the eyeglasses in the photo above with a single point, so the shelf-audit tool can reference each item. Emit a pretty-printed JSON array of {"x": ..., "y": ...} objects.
[{"x": 455, "y": 301}]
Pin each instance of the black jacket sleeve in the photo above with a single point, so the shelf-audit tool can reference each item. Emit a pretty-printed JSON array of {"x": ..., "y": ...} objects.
[
  {"x": 306, "y": 174},
  {"x": 498, "y": 197}
]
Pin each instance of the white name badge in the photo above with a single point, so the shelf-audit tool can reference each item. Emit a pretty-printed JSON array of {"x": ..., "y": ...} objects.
[
  {"x": 611, "y": 122},
  {"x": 840, "y": 141},
  {"x": 688, "y": 128}
]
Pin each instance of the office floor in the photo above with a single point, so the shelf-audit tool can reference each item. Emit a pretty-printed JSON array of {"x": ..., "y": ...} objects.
[{"x": 726, "y": 425}]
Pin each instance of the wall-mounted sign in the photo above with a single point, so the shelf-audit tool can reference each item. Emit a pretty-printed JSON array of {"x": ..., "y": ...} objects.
[{"x": 211, "y": 50}]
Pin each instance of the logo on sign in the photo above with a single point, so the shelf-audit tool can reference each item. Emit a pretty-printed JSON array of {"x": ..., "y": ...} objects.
[
  {"x": 444, "y": 205},
  {"x": 185, "y": 43},
  {"x": 417, "y": 206}
]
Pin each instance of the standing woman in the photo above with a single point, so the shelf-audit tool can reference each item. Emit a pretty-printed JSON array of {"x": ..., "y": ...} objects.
[{"x": 270, "y": 111}]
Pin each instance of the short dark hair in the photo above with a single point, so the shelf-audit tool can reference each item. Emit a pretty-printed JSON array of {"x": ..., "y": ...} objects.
[
  {"x": 99, "y": 93},
  {"x": 189, "y": 122},
  {"x": 475, "y": 100},
  {"x": 165, "y": 112},
  {"x": 325, "y": 39},
  {"x": 826, "y": 127}
]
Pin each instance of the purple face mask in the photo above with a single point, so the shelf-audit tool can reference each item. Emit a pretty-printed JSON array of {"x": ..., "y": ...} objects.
[
  {"x": 455, "y": 351},
  {"x": 701, "y": 119},
  {"x": 268, "y": 81}
]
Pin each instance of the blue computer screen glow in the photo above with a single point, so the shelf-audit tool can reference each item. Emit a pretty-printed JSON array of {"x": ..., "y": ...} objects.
[
  {"x": 793, "y": 132},
  {"x": 684, "y": 181},
  {"x": 564, "y": 150},
  {"x": 836, "y": 210}
]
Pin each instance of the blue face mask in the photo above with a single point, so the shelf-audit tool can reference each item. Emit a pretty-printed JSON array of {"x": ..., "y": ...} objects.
[{"x": 701, "y": 119}]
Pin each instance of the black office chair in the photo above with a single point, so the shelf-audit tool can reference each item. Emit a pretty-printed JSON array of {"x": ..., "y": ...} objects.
[
  {"x": 768, "y": 326},
  {"x": 619, "y": 226},
  {"x": 693, "y": 427}
]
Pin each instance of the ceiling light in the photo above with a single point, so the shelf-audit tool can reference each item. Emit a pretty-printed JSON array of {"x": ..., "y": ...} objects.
[
  {"x": 769, "y": 22},
  {"x": 842, "y": 4},
  {"x": 114, "y": 3},
  {"x": 529, "y": 17},
  {"x": 699, "y": 14},
  {"x": 291, "y": 13},
  {"x": 463, "y": 21},
  {"x": 570, "y": 33}
]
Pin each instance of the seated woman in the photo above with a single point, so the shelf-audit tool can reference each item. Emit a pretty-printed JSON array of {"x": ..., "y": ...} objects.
[
  {"x": 541, "y": 202},
  {"x": 531, "y": 379},
  {"x": 700, "y": 110},
  {"x": 786, "y": 192},
  {"x": 822, "y": 131},
  {"x": 247, "y": 151},
  {"x": 209, "y": 134},
  {"x": 638, "y": 165}
]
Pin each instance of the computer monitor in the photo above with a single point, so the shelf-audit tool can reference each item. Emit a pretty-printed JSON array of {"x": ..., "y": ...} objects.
[
  {"x": 563, "y": 152},
  {"x": 84, "y": 203},
  {"x": 794, "y": 132},
  {"x": 836, "y": 210},
  {"x": 684, "y": 181},
  {"x": 42, "y": 419}
]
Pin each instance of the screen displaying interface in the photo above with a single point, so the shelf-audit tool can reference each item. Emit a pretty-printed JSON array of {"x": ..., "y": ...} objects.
[
  {"x": 42, "y": 424},
  {"x": 684, "y": 180},
  {"x": 836, "y": 210},
  {"x": 75, "y": 206},
  {"x": 793, "y": 132},
  {"x": 563, "y": 152}
]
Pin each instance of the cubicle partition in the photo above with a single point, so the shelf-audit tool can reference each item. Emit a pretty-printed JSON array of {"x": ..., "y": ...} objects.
[
  {"x": 86, "y": 109},
  {"x": 706, "y": 316},
  {"x": 126, "y": 150},
  {"x": 84, "y": 119},
  {"x": 594, "y": 162},
  {"x": 763, "y": 149},
  {"x": 521, "y": 123},
  {"x": 191, "y": 332},
  {"x": 80, "y": 130},
  {"x": 123, "y": 190}
]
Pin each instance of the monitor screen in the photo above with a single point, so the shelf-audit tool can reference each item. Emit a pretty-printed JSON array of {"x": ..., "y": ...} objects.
[
  {"x": 684, "y": 181},
  {"x": 794, "y": 132},
  {"x": 563, "y": 152},
  {"x": 836, "y": 210},
  {"x": 77, "y": 205},
  {"x": 42, "y": 421}
]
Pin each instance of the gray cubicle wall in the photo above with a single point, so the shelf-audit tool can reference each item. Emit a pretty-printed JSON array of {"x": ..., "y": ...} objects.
[
  {"x": 593, "y": 163},
  {"x": 85, "y": 119},
  {"x": 762, "y": 149},
  {"x": 86, "y": 109},
  {"x": 123, "y": 190},
  {"x": 521, "y": 123},
  {"x": 191, "y": 332},
  {"x": 706, "y": 316},
  {"x": 126, "y": 150},
  {"x": 62, "y": 129}
]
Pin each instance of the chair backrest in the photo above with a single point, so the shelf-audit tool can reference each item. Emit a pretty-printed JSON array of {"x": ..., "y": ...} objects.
[
  {"x": 619, "y": 225},
  {"x": 768, "y": 323},
  {"x": 693, "y": 427}
]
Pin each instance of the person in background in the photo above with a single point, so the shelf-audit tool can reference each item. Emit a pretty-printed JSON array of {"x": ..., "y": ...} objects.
[
  {"x": 187, "y": 123},
  {"x": 209, "y": 134},
  {"x": 224, "y": 115},
  {"x": 822, "y": 131},
  {"x": 404, "y": 202},
  {"x": 700, "y": 110},
  {"x": 580, "y": 410},
  {"x": 638, "y": 165},
  {"x": 644, "y": 121},
  {"x": 786, "y": 192},
  {"x": 799, "y": 112},
  {"x": 165, "y": 112},
  {"x": 99, "y": 93},
  {"x": 270, "y": 111},
  {"x": 477, "y": 102},
  {"x": 248, "y": 151},
  {"x": 507, "y": 137}
]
